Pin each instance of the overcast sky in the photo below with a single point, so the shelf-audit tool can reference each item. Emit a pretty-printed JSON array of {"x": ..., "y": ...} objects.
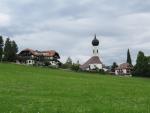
[{"x": 68, "y": 26}]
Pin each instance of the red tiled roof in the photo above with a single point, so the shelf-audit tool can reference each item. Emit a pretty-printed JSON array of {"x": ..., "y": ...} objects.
[
  {"x": 30, "y": 50},
  {"x": 125, "y": 66},
  {"x": 49, "y": 53}
]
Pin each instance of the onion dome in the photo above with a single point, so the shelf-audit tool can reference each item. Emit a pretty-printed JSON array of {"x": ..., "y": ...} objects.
[{"x": 95, "y": 41}]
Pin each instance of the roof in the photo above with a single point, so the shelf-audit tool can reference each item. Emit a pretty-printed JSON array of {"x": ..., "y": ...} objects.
[
  {"x": 95, "y": 41},
  {"x": 49, "y": 53},
  {"x": 92, "y": 60},
  {"x": 33, "y": 52},
  {"x": 125, "y": 66}
]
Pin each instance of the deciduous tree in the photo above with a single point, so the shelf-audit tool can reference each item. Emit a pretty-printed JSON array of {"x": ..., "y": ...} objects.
[
  {"x": 142, "y": 67},
  {"x": 114, "y": 66}
]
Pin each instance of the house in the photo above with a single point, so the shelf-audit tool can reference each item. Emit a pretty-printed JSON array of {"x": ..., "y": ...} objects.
[
  {"x": 124, "y": 69},
  {"x": 94, "y": 62},
  {"x": 35, "y": 57}
]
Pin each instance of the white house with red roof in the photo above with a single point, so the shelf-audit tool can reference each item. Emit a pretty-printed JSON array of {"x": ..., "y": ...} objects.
[{"x": 124, "y": 69}]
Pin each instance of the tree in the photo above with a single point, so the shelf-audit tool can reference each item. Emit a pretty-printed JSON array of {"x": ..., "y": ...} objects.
[
  {"x": 75, "y": 67},
  {"x": 7, "y": 50},
  {"x": 129, "y": 57},
  {"x": 1, "y": 47},
  {"x": 68, "y": 64},
  {"x": 78, "y": 62},
  {"x": 10, "y": 50},
  {"x": 13, "y": 52},
  {"x": 148, "y": 58},
  {"x": 14, "y": 46},
  {"x": 114, "y": 66},
  {"x": 142, "y": 67},
  {"x": 69, "y": 61}
]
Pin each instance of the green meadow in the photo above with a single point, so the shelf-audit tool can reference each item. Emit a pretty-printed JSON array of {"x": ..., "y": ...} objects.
[{"x": 25, "y": 89}]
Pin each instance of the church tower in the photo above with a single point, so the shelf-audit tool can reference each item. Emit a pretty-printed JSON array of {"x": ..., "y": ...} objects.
[
  {"x": 94, "y": 62},
  {"x": 95, "y": 44}
]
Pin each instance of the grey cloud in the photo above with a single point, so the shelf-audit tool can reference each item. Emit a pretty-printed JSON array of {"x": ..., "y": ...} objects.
[{"x": 68, "y": 26}]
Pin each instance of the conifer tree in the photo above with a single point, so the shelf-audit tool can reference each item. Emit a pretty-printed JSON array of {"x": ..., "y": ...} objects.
[
  {"x": 13, "y": 52},
  {"x": 7, "y": 50},
  {"x": 1, "y": 47},
  {"x": 78, "y": 62},
  {"x": 14, "y": 47},
  {"x": 10, "y": 50},
  {"x": 129, "y": 57},
  {"x": 69, "y": 61}
]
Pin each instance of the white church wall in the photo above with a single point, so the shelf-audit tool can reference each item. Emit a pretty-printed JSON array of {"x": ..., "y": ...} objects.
[
  {"x": 95, "y": 51},
  {"x": 94, "y": 66}
]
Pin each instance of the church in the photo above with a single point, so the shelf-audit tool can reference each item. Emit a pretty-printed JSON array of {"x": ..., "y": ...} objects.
[{"x": 94, "y": 62}]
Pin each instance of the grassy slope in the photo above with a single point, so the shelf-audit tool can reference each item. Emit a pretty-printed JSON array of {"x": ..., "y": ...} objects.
[{"x": 26, "y": 89}]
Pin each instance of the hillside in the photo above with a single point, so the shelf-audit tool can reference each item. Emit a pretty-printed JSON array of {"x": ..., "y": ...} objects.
[{"x": 25, "y": 89}]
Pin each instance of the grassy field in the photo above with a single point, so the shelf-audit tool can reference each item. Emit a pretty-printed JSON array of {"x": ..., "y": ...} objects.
[{"x": 25, "y": 89}]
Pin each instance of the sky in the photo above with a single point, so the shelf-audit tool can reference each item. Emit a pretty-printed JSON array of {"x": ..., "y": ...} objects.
[{"x": 69, "y": 26}]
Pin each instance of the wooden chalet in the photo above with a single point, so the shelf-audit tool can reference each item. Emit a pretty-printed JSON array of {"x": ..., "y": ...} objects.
[{"x": 35, "y": 57}]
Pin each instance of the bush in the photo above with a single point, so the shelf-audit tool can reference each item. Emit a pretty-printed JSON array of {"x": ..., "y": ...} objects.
[
  {"x": 75, "y": 67},
  {"x": 64, "y": 66}
]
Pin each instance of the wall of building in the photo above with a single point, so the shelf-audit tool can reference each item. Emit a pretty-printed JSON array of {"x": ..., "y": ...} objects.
[
  {"x": 94, "y": 66},
  {"x": 121, "y": 72},
  {"x": 95, "y": 51},
  {"x": 30, "y": 62}
]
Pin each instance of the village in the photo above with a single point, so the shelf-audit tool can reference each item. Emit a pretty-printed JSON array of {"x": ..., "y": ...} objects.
[
  {"x": 51, "y": 58},
  {"x": 74, "y": 56}
]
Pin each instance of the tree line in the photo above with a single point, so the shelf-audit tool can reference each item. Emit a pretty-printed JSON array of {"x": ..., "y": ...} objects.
[
  {"x": 69, "y": 64},
  {"x": 142, "y": 66},
  {"x": 8, "y": 50}
]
